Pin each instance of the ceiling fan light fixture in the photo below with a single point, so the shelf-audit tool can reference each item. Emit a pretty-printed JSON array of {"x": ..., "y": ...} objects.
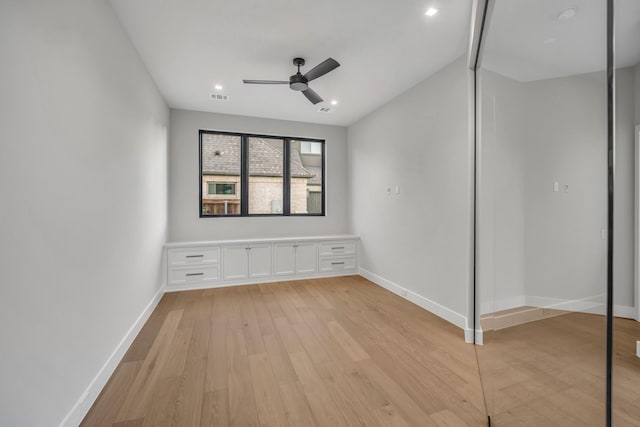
[{"x": 300, "y": 82}]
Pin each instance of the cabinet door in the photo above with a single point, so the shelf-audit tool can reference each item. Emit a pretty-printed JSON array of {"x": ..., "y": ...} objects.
[
  {"x": 306, "y": 258},
  {"x": 284, "y": 262},
  {"x": 260, "y": 261},
  {"x": 236, "y": 262}
]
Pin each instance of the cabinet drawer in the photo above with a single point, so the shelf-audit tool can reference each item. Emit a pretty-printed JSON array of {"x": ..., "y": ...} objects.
[
  {"x": 188, "y": 256},
  {"x": 345, "y": 247},
  {"x": 194, "y": 275},
  {"x": 338, "y": 263}
]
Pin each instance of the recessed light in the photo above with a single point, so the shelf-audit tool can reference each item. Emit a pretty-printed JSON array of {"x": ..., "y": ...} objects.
[
  {"x": 218, "y": 87},
  {"x": 432, "y": 11},
  {"x": 567, "y": 13},
  {"x": 334, "y": 102}
]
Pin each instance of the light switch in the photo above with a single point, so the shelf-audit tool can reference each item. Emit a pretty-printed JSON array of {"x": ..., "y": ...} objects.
[
  {"x": 566, "y": 188},
  {"x": 388, "y": 191},
  {"x": 556, "y": 186},
  {"x": 397, "y": 189}
]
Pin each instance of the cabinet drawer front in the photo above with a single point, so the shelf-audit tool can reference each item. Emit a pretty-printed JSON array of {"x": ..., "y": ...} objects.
[
  {"x": 346, "y": 247},
  {"x": 193, "y": 256},
  {"x": 187, "y": 276},
  {"x": 338, "y": 263}
]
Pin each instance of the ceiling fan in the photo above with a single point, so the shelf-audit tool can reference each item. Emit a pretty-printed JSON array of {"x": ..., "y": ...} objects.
[{"x": 299, "y": 81}]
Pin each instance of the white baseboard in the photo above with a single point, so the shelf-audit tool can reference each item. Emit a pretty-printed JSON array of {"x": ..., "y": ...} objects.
[
  {"x": 624, "y": 311},
  {"x": 438, "y": 309},
  {"x": 468, "y": 335},
  {"x": 79, "y": 411},
  {"x": 502, "y": 304},
  {"x": 593, "y": 304}
]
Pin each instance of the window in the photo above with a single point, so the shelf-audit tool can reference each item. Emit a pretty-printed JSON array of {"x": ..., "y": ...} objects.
[
  {"x": 254, "y": 175},
  {"x": 222, "y": 188},
  {"x": 305, "y": 171}
]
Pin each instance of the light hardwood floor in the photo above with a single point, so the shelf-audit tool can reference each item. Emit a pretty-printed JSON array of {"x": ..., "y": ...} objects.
[
  {"x": 326, "y": 352},
  {"x": 551, "y": 372}
]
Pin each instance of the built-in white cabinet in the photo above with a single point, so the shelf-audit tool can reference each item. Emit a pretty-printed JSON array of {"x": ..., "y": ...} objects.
[
  {"x": 249, "y": 261},
  {"x": 306, "y": 258},
  {"x": 284, "y": 259},
  {"x": 236, "y": 262},
  {"x": 260, "y": 261},
  {"x": 193, "y": 266},
  {"x": 295, "y": 258},
  {"x": 209, "y": 264}
]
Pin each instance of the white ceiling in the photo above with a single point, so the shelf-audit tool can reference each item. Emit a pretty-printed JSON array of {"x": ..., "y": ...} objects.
[
  {"x": 384, "y": 48},
  {"x": 527, "y": 42}
]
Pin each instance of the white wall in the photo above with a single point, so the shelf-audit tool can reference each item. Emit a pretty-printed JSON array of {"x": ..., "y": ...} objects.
[
  {"x": 83, "y": 180},
  {"x": 418, "y": 239},
  {"x": 184, "y": 221},
  {"x": 501, "y": 194},
  {"x": 564, "y": 133},
  {"x": 637, "y": 91},
  {"x": 566, "y": 129}
]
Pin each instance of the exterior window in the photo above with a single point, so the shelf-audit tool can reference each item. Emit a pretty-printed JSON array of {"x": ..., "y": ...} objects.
[
  {"x": 306, "y": 177},
  {"x": 220, "y": 184},
  {"x": 253, "y": 175},
  {"x": 222, "y": 188},
  {"x": 266, "y": 177}
]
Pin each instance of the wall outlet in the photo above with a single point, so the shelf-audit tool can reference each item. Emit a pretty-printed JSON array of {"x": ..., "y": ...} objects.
[{"x": 556, "y": 186}]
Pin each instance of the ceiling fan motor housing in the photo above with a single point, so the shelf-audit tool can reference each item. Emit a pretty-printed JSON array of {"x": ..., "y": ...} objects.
[{"x": 298, "y": 82}]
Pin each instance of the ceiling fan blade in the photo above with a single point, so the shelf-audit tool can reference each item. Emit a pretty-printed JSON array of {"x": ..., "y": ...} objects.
[
  {"x": 266, "y": 82},
  {"x": 321, "y": 69},
  {"x": 312, "y": 96}
]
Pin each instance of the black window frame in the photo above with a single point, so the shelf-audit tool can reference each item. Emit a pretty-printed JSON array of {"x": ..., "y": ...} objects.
[{"x": 244, "y": 175}]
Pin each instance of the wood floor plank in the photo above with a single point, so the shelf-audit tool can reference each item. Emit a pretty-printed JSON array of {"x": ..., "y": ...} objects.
[
  {"x": 324, "y": 410},
  {"x": 348, "y": 343},
  {"x": 215, "y": 409},
  {"x": 141, "y": 390},
  {"x": 447, "y": 418},
  {"x": 161, "y": 407},
  {"x": 189, "y": 402},
  {"x": 242, "y": 405},
  {"x": 296, "y": 405},
  {"x": 216, "y": 369},
  {"x": 104, "y": 412},
  {"x": 266, "y": 392},
  {"x": 279, "y": 360}
]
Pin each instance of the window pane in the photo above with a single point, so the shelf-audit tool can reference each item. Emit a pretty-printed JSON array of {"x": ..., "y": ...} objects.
[
  {"x": 221, "y": 174},
  {"x": 306, "y": 177},
  {"x": 266, "y": 164}
]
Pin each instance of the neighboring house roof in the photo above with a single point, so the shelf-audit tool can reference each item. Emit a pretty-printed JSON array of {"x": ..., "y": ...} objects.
[
  {"x": 317, "y": 175},
  {"x": 221, "y": 154}
]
